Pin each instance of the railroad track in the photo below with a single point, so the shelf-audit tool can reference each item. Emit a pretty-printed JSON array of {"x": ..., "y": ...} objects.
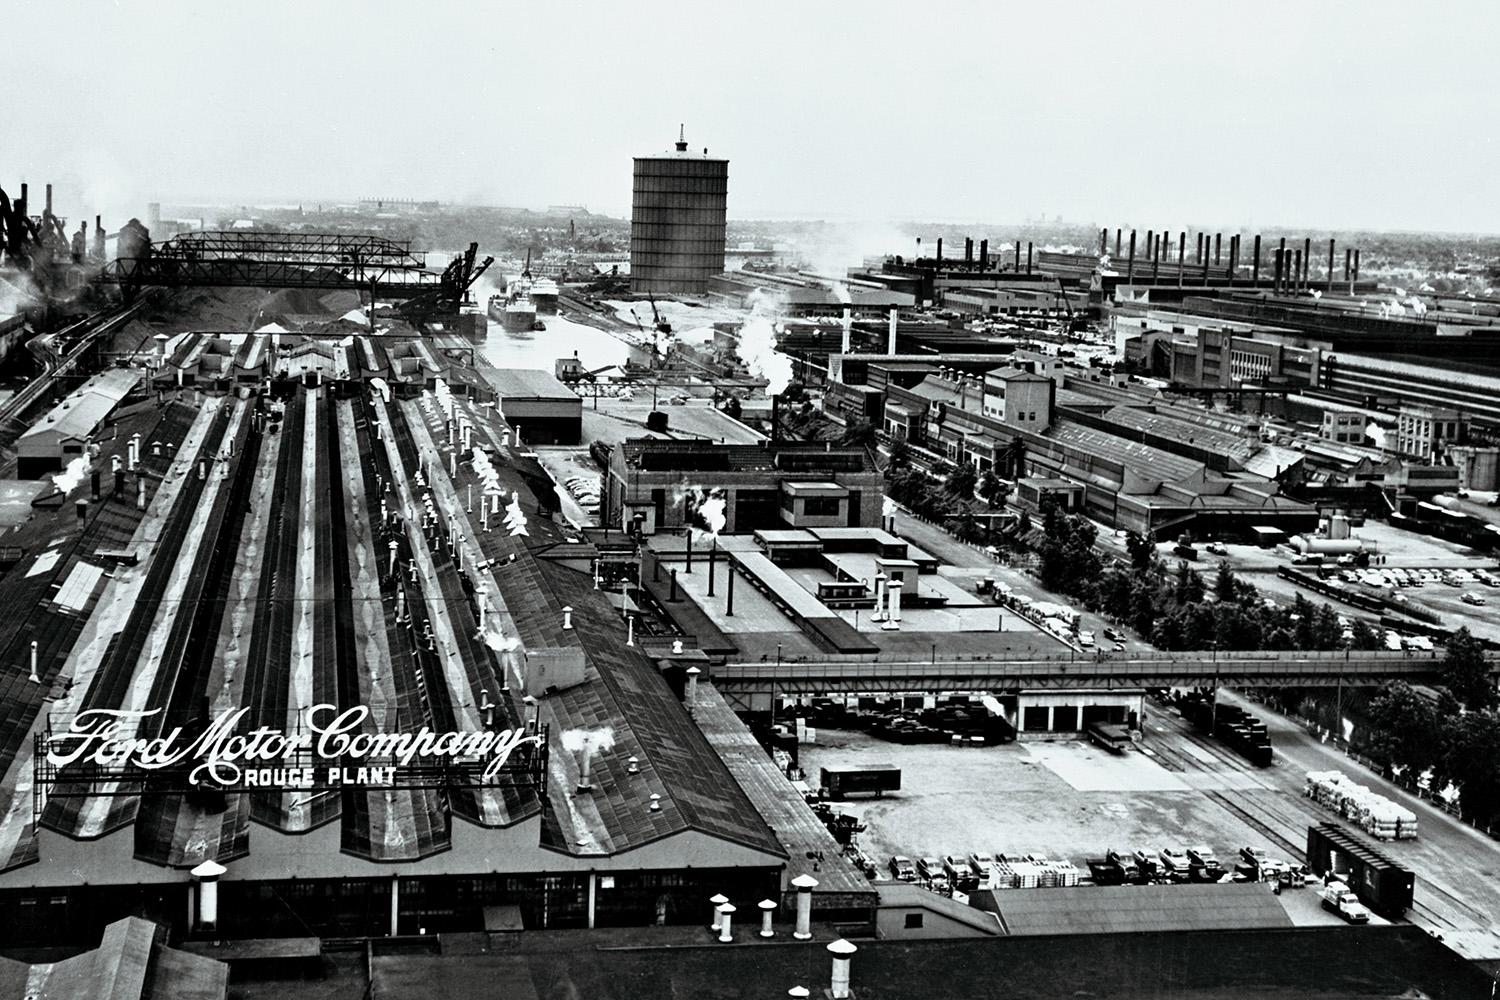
[{"x": 1282, "y": 817}]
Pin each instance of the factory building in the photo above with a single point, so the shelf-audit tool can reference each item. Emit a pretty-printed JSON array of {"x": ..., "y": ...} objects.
[
  {"x": 1125, "y": 459},
  {"x": 1425, "y": 432},
  {"x": 766, "y": 485},
  {"x": 677, "y": 221},
  {"x": 333, "y": 547},
  {"x": 66, "y": 431},
  {"x": 1389, "y": 382}
]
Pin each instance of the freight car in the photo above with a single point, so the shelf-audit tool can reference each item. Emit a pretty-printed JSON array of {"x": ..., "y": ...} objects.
[
  {"x": 1233, "y": 726},
  {"x": 1380, "y": 883}
]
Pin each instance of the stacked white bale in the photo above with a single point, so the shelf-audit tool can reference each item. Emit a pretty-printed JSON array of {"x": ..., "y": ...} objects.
[{"x": 1362, "y": 805}]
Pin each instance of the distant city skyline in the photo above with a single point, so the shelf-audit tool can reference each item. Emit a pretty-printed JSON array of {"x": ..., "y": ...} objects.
[{"x": 1324, "y": 117}]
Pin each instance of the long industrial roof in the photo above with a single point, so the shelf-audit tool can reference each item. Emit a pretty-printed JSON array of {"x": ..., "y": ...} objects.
[
  {"x": 85, "y": 409},
  {"x": 266, "y": 585},
  {"x": 1236, "y": 446},
  {"x": 1146, "y": 461}
]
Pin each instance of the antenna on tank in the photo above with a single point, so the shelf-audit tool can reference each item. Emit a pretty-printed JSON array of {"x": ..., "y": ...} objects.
[{"x": 681, "y": 138}]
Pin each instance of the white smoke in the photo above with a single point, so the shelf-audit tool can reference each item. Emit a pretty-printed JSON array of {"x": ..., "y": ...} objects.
[
  {"x": 74, "y": 474},
  {"x": 836, "y": 247},
  {"x": 840, "y": 291},
  {"x": 888, "y": 508},
  {"x": 591, "y": 740},
  {"x": 707, "y": 508},
  {"x": 17, "y": 292},
  {"x": 757, "y": 345},
  {"x": 1376, "y": 433}
]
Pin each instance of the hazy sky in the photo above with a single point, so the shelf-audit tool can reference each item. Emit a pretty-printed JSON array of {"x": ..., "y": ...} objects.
[{"x": 1378, "y": 115}]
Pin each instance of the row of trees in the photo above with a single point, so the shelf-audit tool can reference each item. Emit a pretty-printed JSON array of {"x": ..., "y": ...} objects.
[
  {"x": 951, "y": 495},
  {"x": 1178, "y": 609},
  {"x": 1448, "y": 734}
]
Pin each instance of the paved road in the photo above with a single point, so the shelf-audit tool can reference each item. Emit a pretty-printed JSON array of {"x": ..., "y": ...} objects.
[
  {"x": 956, "y": 553},
  {"x": 1457, "y": 892}
]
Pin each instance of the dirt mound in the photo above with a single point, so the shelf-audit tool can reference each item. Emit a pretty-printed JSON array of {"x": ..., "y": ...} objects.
[
  {"x": 206, "y": 309},
  {"x": 132, "y": 336},
  {"x": 295, "y": 302},
  {"x": 341, "y": 302}
]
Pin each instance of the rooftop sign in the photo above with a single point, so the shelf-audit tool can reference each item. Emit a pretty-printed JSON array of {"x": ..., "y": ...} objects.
[{"x": 102, "y": 749}]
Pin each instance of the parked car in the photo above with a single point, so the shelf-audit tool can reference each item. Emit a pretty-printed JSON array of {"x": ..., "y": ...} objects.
[
  {"x": 931, "y": 868},
  {"x": 956, "y": 867},
  {"x": 1469, "y": 597},
  {"x": 1113, "y": 634},
  {"x": 1174, "y": 861},
  {"x": 1204, "y": 857},
  {"x": 902, "y": 869},
  {"x": 1126, "y": 863},
  {"x": 1085, "y": 638}
]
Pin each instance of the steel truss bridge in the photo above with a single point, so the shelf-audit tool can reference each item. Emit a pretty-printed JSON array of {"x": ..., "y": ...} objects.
[
  {"x": 389, "y": 268},
  {"x": 739, "y": 680}
]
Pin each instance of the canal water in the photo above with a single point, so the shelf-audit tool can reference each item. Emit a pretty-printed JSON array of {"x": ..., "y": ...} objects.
[{"x": 561, "y": 339}]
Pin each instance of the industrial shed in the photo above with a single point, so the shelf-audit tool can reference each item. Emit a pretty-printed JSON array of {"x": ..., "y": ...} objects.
[{"x": 64, "y": 433}]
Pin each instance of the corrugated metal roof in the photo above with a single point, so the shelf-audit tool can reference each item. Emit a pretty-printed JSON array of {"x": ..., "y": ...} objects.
[
  {"x": 1180, "y": 431},
  {"x": 1115, "y": 909},
  {"x": 1149, "y": 462},
  {"x": 83, "y": 411},
  {"x": 529, "y": 383}
]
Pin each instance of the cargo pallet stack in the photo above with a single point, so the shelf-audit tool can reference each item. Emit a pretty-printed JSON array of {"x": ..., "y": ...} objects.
[
  {"x": 1372, "y": 812},
  {"x": 1034, "y": 875}
]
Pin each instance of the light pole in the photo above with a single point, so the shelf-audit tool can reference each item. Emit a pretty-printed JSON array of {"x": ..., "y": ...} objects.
[{"x": 1213, "y": 712}]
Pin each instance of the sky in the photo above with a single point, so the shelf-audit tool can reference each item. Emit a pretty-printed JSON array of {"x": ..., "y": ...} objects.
[{"x": 1372, "y": 115}]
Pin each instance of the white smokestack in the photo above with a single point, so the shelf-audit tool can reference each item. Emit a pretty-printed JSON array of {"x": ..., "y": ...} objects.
[
  {"x": 717, "y": 900},
  {"x": 842, "y": 951},
  {"x": 804, "y": 884}
]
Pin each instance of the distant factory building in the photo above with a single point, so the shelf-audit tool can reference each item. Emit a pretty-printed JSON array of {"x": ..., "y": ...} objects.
[
  {"x": 677, "y": 221},
  {"x": 66, "y": 430}
]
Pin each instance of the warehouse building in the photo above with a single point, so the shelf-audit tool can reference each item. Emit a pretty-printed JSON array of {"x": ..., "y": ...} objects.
[{"x": 546, "y": 410}]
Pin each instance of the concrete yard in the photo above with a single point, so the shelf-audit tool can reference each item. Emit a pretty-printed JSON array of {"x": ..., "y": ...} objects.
[
  {"x": 1070, "y": 800},
  {"x": 1067, "y": 800}
]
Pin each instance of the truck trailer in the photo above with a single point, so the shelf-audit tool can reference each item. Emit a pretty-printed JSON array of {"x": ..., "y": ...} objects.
[{"x": 860, "y": 779}]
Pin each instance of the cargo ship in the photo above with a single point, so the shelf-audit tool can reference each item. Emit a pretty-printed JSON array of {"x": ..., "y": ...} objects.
[
  {"x": 515, "y": 310},
  {"x": 544, "y": 293}
]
